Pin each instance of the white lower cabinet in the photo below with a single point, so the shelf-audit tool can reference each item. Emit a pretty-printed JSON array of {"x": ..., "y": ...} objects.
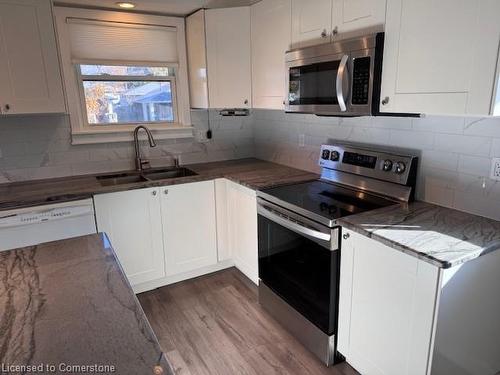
[
  {"x": 386, "y": 309},
  {"x": 132, "y": 221},
  {"x": 172, "y": 233},
  {"x": 242, "y": 229},
  {"x": 189, "y": 228}
]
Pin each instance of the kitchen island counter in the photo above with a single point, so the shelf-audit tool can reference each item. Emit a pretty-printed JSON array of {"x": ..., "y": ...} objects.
[{"x": 67, "y": 304}]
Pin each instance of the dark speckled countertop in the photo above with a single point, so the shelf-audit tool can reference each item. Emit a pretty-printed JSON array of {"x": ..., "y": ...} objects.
[
  {"x": 438, "y": 235},
  {"x": 251, "y": 172},
  {"x": 68, "y": 302}
]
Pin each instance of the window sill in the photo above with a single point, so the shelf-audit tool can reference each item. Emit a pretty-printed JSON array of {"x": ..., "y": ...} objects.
[{"x": 125, "y": 134}]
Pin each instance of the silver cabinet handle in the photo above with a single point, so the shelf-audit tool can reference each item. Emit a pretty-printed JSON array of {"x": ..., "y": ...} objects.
[
  {"x": 385, "y": 101},
  {"x": 345, "y": 236},
  {"x": 324, "y": 34},
  {"x": 165, "y": 192},
  {"x": 245, "y": 102},
  {"x": 335, "y": 31},
  {"x": 295, "y": 227},
  {"x": 153, "y": 193},
  {"x": 340, "y": 83},
  {"x": 7, "y": 108}
]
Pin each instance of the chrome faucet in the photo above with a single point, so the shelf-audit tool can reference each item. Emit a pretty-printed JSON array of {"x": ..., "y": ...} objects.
[{"x": 140, "y": 163}]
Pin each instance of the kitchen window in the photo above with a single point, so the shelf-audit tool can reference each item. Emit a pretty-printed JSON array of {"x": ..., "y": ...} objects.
[
  {"x": 114, "y": 94},
  {"x": 122, "y": 70}
]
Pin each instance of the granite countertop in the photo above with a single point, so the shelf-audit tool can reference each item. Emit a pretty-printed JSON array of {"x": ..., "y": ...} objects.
[
  {"x": 438, "y": 235},
  {"x": 68, "y": 302},
  {"x": 253, "y": 173}
]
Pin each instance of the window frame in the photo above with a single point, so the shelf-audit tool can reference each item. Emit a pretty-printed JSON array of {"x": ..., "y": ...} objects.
[
  {"x": 84, "y": 133},
  {"x": 109, "y": 77}
]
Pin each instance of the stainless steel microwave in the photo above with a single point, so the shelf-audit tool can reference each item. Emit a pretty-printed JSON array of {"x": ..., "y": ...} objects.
[{"x": 337, "y": 79}]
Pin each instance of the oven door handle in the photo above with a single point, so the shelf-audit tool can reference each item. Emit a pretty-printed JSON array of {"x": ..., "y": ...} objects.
[
  {"x": 340, "y": 83},
  {"x": 264, "y": 211}
]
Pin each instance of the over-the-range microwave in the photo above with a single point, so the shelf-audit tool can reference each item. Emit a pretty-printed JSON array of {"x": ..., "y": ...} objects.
[{"x": 338, "y": 79}]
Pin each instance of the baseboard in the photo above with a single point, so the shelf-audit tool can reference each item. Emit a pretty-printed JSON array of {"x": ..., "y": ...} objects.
[{"x": 150, "y": 285}]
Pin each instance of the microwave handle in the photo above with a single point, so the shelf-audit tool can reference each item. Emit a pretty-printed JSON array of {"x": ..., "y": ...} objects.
[{"x": 340, "y": 83}]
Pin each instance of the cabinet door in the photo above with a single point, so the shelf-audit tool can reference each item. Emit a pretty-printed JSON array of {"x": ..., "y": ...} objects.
[
  {"x": 197, "y": 59},
  {"x": 432, "y": 62},
  {"x": 132, "y": 220},
  {"x": 358, "y": 17},
  {"x": 221, "y": 208},
  {"x": 311, "y": 22},
  {"x": 189, "y": 229},
  {"x": 228, "y": 57},
  {"x": 271, "y": 38},
  {"x": 242, "y": 229},
  {"x": 387, "y": 308},
  {"x": 30, "y": 78}
]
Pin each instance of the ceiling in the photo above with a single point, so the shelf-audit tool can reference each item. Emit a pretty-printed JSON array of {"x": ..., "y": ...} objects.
[{"x": 171, "y": 7}]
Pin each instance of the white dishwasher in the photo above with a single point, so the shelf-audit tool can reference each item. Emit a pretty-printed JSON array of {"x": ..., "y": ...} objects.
[{"x": 34, "y": 225}]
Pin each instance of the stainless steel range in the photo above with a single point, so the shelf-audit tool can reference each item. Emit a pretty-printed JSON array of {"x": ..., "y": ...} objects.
[{"x": 299, "y": 238}]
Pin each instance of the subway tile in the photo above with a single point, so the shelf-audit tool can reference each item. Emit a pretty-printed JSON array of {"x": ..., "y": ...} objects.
[
  {"x": 437, "y": 176},
  {"x": 495, "y": 148},
  {"x": 369, "y": 135},
  {"x": 399, "y": 123},
  {"x": 483, "y": 206},
  {"x": 412, "y": 139},
  {"x": 439, "y": 124},
  {"x": 364, "y": 121},
  {"x": 474, "y": 165},
  {"x": 440, "y": 159},
  {"x": 463, "y": 144},
  {"x": 483, "y": 126},
  {"x": 437, "y": 194}
]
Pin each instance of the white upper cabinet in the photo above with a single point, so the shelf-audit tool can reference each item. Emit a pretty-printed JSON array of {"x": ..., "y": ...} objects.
[
  {"x": 440, "y": 56},
  {"x": 271, "y": 38},
  {"x": 219, "y": 57},
  {"x": 189, "y": 226},
  {"x": 323, "y": 21},
  {"x": 132, "y": 220},
  {"x": 311, "y": 22},
  {"x": 197, "y": 59},
  {"x": 228, "y": 57},
  {"x": 357, "y": 17},
  {"x": 30, "y": 77}
]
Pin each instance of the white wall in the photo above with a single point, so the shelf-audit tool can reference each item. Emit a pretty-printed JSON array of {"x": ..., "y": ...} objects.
[{"x": 456, "y": 151}]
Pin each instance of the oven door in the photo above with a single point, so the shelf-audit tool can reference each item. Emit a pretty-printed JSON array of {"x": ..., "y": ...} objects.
[{"x": 299, "y": 261}]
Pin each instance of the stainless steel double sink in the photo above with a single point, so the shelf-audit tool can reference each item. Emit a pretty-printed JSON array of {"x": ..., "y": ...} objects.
[{"x": 144, "y": 176}]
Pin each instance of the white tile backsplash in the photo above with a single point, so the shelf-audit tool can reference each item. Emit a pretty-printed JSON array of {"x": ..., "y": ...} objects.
[
  {"x": 455, "y": 152},
  {"x": 36, "y": 147}
]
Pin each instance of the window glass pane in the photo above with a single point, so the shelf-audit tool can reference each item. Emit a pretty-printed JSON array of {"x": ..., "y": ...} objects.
[
  {"x": 109, "y": 102},
  {"x": 112, "y": 70}
]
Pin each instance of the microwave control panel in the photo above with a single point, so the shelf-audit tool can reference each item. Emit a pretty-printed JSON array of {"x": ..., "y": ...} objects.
[{"x": 361, "y": 81}]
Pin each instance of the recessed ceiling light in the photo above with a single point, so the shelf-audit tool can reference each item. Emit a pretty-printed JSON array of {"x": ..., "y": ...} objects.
[{"x": 125, "y": 5}]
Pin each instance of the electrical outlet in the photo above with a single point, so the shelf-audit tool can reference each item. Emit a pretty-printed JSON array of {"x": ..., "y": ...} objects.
[
  {"x": 495, "y": 169},
  {"x": 302, "y": 140}
]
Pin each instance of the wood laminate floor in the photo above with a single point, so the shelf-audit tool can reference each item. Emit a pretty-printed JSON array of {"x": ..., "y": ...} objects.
[{"x": 214, "y": 325}]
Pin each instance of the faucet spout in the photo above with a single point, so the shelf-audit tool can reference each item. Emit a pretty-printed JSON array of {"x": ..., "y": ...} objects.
[{"x": 140, "y": 163}]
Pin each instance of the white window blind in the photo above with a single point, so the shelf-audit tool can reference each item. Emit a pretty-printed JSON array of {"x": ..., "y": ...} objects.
[{"x": 104, "y": 40}]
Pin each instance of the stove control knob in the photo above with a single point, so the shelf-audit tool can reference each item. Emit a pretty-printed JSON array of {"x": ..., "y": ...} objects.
[
  {"x": 334, "y": 156},
  {"x": 387, "y": 166},
  {"x": 400, "y": 167},
  {"x": 325, "y": 155}
]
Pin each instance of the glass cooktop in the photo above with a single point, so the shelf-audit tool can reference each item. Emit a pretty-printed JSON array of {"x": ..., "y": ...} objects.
[{"x": 322, "y": 201}]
